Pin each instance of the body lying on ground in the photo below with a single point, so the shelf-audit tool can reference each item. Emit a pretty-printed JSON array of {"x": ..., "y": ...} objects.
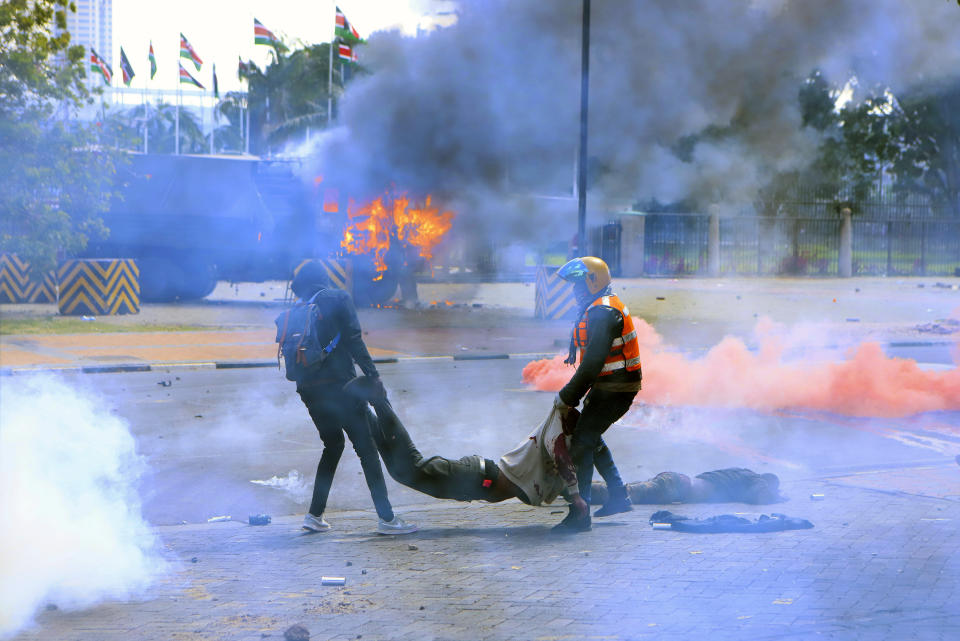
[{"x": 729, "y": 485}]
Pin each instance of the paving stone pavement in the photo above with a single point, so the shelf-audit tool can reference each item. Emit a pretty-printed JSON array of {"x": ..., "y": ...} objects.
[{"x": 879, "y": 564}]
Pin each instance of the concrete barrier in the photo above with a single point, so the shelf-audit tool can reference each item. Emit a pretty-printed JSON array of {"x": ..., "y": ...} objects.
[{"x": 104, "y": 286}]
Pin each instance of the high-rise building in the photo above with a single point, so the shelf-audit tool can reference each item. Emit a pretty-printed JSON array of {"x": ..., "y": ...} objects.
[{"x": 92, "y": 26}]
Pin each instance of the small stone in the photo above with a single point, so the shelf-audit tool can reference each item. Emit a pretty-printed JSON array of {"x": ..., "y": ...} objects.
[
  {"x": 52, "y": 606},
  {"x": 412, "y": 547},
  {"x": 349, "y": 563},
  {"x": 194, "y": 560},
  {"x": 422, "y": 607},
  {"x": 296, "y": 633},
  {"x": 363, "y": 571}
]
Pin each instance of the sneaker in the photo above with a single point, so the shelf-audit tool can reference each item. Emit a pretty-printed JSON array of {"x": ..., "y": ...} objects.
[
  {"x": 396, "y": 526},
  {"x": 315, "y": 523},
  {"x": 614, "y": 506},
  {"x": 572, "y": 525}
]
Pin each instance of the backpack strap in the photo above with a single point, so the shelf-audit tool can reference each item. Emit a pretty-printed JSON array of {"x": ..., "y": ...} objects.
[
  {"x": 283, "y": 335},
  {"x": 303, "y": 334}
]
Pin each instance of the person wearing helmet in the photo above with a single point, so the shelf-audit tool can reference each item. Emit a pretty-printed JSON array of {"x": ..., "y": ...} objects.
[
  {"x": 608, "y": 374},
  {"x": 333, "y": 412}
]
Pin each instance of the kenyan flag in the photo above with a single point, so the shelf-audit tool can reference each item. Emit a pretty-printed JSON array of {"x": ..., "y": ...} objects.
[
  {"x": 346, "y": 52},
  {"x": 345, "y": 30},
  {"x": 263, "y": 36},
  {"x": 187, "y": 51},
  {"x": 126, "y": 68},
  {"x": 153, "y": 62},
  {"x": 100, "y": 65},
  {"x": 187, "y": 79}
]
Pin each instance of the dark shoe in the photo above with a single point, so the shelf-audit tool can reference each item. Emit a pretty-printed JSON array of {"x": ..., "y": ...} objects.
[
  {"x": 571, "y": 525},
  {"x": 614, "y": 506}
]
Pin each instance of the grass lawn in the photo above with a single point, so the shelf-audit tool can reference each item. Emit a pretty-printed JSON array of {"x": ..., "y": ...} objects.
[{"x": 55, "y": 324}]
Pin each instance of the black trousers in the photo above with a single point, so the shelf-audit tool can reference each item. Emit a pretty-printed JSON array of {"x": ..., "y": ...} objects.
[
  {"x": 442, "y": 478},
  {"x": 601, "y": 409},
  {"x": 334, "y": 413}
]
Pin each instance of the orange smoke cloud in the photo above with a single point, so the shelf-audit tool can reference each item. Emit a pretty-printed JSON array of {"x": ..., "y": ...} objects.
[{"x": 867, "y": 383}]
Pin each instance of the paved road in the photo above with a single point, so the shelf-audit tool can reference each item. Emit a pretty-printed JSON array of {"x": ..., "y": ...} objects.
[
  {"x": 207, "y": 433},
  {"x": 880, "y": 562}
]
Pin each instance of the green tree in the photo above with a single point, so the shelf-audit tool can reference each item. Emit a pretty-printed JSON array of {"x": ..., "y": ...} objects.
[
  {"x": 55, "y": 170},
  {"x": 290, "y": 96},
  {"x": 927, "y": 158},
  {"x": 860, "y": 140}
]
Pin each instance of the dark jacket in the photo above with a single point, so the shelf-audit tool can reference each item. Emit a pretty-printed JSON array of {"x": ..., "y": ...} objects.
[
  {"x": 603, "y": 325},
  {"x": 339, "y": 315}
]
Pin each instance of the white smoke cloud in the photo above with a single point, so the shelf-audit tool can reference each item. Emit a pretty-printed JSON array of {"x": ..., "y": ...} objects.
[
  {"x": 293, "y": 485},
  {"x": 71, "y": 530}
]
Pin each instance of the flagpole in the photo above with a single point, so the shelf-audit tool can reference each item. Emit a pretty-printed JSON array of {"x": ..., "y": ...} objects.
[
  {"x": 203, "y": 115},
  {"x": 330, "y": 85},
  {"x": 146, "y": 119},
  {"x": 176, "y": 129},
  {"x": 213, "y": 125}
]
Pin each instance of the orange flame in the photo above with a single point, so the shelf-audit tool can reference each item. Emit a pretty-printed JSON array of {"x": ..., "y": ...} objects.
[{"x": 376, "y": 225}]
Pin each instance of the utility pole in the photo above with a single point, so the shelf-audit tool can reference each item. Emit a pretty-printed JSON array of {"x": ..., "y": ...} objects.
[{"x": 584, "y": 101}]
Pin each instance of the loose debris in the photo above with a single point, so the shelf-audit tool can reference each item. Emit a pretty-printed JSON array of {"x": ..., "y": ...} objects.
[
  {"x": 296, "y": 633},
  {"x": 941, "y": 326}
]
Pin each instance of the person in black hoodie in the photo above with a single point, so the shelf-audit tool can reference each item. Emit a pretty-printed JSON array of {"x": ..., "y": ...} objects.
[{"x": 332, "y": 411}]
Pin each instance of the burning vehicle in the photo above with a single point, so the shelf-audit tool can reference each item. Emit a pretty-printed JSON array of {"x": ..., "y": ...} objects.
[{"x": 190, "y": 221}]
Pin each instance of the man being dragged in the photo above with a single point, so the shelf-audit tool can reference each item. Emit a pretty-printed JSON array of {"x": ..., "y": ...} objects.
[{"x": 537, "y": 471}]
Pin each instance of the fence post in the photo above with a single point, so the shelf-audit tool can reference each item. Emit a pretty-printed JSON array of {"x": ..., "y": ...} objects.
[
  {"x": 845, "y": 268},
  {"x": 756, "y": 226},
  {"x": 631, "y": 244},
  {"x": 713, "y": 241},
  {"x": 923, "y": 249},
  {"x": 889, "y": 248}
]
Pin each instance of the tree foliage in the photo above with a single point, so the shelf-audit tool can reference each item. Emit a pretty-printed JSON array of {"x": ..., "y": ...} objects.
[
  {"x": 54, "y": 167},
  {"x": 290, "y": 96},
  {"x": 913, "y": 140},
  {"x": 928, "y": 153}
]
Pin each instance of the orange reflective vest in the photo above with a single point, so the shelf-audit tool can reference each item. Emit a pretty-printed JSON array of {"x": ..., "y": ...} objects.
[{"x": 625, "y": 350}]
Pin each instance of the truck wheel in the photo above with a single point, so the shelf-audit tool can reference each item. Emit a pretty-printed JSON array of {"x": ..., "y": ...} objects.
[
  {"x": 161, "y": 280},
  {"x": 200, "y": 280},
  {"x": 375, "y": 292}
]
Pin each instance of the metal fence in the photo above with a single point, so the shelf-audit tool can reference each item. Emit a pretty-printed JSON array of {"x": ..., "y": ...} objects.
[{"x": 678, "y": 244}]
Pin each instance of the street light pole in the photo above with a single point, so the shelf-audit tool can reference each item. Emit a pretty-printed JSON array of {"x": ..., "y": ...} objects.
[{"x": 582, "y": 164}]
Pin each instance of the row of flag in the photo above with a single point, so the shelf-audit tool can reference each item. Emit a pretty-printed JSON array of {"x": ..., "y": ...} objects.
[{"x": 346, "y": 36}]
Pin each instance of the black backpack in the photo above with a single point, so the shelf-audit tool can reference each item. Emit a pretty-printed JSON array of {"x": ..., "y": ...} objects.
[{"x": 299, "y": 340}]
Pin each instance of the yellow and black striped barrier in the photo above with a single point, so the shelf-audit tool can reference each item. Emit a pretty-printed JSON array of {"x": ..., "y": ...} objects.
[
  {"x": 99, "y": 286},
  {"x": 337, "y": 271},
  {"x": 18, "y": 283},
  {"x": 554, "y": 296}
]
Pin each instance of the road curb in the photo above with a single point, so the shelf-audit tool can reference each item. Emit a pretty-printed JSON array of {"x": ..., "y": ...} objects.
[{"x": 160, "y": 367}]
